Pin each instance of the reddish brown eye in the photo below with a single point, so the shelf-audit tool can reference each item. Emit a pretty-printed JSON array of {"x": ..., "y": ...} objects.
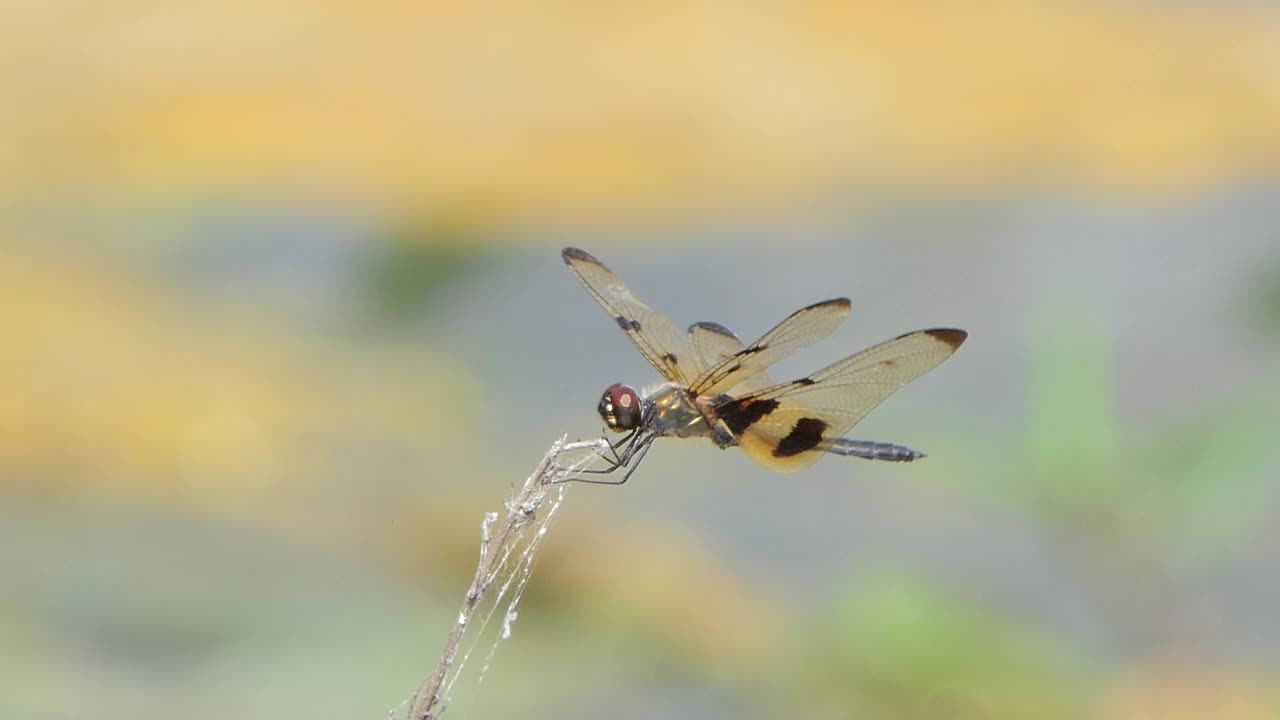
[{"x": 620, "y": 408}]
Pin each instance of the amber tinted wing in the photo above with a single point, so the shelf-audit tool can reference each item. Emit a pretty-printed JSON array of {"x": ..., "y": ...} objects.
[
  {"x": 801, "y": 329},
  {"x": 712, "y": 343},
  {"x": 786, "y": 427},
  {"x": 661, "y": 342}
]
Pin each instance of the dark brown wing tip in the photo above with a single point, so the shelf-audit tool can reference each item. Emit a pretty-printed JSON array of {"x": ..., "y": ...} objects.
[
  {"x": 714, "y": 327},
  {"x": 835, "y": 302},
  {"x": 573, "y": 254},
  {"x": 951, "y": 336}
]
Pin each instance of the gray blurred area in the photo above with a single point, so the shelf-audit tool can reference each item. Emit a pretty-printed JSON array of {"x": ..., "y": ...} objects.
[{"x": 1098, "y": 474}]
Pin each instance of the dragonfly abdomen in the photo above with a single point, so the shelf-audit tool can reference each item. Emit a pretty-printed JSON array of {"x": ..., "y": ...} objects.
[{"x": 873, "y": 450}]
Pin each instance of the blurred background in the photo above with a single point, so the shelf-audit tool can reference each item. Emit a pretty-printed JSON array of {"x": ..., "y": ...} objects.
[{"x": 282, "y": 314}]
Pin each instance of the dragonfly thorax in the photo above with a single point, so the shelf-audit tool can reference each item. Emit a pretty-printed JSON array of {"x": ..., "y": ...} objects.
[{"x": 670, "y": 411}]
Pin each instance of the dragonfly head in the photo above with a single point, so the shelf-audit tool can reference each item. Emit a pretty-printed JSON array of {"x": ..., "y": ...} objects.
[{"x": 620, "y": 408}]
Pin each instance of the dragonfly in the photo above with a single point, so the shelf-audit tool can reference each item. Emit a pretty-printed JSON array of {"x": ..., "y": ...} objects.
[{"x": 717, "y": 387}]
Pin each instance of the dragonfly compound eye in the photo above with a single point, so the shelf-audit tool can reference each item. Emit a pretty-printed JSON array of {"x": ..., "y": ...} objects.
[{"x": 620, "y": 408}]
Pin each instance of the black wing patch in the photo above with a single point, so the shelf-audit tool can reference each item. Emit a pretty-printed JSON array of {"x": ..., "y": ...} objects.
[
  {"x": 805, "y": 435},
  {"x": 738, "y": 415},
  {"x": 806, "y": 417}
]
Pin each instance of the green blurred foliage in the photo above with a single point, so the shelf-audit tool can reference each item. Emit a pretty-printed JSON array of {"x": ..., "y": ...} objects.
[
  {"x": 1269, "y": 297},
  {"x": 906, "y": 649},
  {"x": 418, "y": 260},
  {"x": 1163, "y": 486},
  {"x": 1071, "y": 443}
]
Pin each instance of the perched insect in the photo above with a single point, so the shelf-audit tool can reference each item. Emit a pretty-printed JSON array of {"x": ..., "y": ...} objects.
[{"x": 717, "y": 388}]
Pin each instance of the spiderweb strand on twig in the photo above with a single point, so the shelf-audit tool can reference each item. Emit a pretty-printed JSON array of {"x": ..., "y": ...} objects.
[{"x": 507, "y": 552}]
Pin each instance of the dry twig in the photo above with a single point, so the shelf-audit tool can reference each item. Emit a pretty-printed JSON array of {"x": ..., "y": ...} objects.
[{"x": 495, "y": 548}]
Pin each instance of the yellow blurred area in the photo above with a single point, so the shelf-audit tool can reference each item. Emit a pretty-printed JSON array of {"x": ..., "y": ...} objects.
[
  {"x": 100, "y": 378},
  {"x": 112, "y": 385},
  {"x": 1173, "y": 693},
  {"x": 546, "y": 109}
]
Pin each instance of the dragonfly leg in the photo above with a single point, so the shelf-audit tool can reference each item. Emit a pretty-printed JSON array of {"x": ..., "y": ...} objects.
[{"x": 626, "y": 453}]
